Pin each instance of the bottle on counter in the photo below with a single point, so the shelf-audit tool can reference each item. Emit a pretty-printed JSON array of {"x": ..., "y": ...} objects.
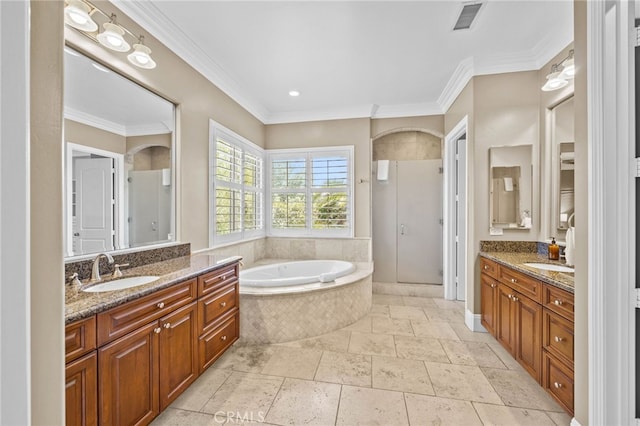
[{"x": 554, "y": 250}]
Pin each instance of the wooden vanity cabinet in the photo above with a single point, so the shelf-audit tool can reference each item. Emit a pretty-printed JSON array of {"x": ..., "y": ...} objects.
[
  {"x": 532, "y": 320},
  {"x": 81, "y": 378}
]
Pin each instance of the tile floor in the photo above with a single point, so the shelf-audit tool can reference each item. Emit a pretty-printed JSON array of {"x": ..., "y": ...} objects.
[{"x": 410, "y": 361}]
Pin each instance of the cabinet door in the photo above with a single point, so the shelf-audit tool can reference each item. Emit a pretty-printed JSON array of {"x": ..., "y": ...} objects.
[
  {"x": 129, "y": 379},
  {"x": 528, "y": 350},
  {"x": 505, "y": 330},
  {"x": 488, "y": 303},
  {"x": 81, "y": 391},
  {"x": 178, "y": 352}
]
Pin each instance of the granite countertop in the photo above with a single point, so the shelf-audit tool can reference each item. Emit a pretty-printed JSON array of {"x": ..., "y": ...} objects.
[
  {"x": 562, "y": 280},
  {"x": 80, "y": 305}
]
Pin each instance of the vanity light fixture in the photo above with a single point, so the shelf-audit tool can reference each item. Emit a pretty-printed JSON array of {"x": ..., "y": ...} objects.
[
  {"x": 81, "y": 15},
  {"x": 77, "y": 14},
  {"x": 560, "y": 73},
  {"x": 140, "y": 57},
  {"x": 113, "y": 36}
]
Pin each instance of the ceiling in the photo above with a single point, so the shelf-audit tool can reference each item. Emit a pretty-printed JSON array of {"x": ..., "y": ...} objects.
[{"x": 352, "y": 59}]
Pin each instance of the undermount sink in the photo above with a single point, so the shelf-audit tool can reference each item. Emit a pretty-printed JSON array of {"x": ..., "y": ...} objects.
[
  {"x": 550, "y": 267},
  {"x": 121, "y": 283}
]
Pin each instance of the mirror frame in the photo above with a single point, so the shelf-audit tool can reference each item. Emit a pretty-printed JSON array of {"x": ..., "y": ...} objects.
[{"x": 553, "y": 148}]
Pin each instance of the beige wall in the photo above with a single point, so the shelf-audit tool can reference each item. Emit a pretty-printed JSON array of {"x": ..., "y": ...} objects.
[
  {"x": 135, "y": 143},
  {"x": 581, "y": 362},
  {"x": 199, "y": 101},
  {"x": 82, "y": 134},
  {"x": 47, "y": 289},
  {"x": 334, "y": 133},
  {"x": 432, "y": 123}
]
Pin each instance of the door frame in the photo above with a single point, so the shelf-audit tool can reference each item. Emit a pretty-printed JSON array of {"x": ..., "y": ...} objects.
[
  {"x": 449, "y": 254},
  {"x": 611, "y": 212},
  {"x": 118, "y": 193}
]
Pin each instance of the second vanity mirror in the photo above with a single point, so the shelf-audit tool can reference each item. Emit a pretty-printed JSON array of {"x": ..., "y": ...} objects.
[
  {"x": 562, "y": 164},
  {"x": 510, "y": 187},
  {"x": 119, "y": 190}
]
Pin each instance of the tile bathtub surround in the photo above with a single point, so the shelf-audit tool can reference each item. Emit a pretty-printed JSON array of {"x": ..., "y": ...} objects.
[
  {"x": 442, "y": 374},
  {"x": 349, "y": 249},
  {"x": 509, "y": 246},
  {"x": 139, "y": 258}
]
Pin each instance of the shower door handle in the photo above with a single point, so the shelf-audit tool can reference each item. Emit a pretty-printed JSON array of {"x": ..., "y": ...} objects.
[{"x": 401, "y": 229}]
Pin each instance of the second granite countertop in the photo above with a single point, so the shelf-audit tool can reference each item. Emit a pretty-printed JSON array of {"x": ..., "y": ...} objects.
[
  {"x": 562, "y": 280},
  {"x": 80, "y": 304}
]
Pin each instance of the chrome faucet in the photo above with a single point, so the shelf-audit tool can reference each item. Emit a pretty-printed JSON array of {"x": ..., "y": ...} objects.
[{"x": 95, "y": 270}]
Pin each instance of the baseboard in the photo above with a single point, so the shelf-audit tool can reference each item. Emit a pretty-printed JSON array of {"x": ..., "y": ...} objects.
[
  {"x": 574, "y": 422},
  {"x": 472, "y": 321}
]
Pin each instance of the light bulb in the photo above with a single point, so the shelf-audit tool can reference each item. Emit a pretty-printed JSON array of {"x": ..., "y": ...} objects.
[
  {"x": 76, "y": 14},
  {"x": 554, "y": 82},
  {"x": 112, "y": 38},
  {"x": 141, "y": 57}
]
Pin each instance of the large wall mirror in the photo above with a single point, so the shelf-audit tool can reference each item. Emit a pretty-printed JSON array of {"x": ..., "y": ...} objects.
[
  {"x": 510, "y": 186},
  {"x": 562, "y": 164},
  {"x": 119, "y": 145}
]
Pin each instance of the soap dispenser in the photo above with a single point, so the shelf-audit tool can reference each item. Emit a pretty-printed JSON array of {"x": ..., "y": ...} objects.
[{"x": 554, "y": 250}]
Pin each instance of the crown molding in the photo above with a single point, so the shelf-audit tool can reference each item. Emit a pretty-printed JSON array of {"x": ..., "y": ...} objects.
[
  {"x": 147, "y": 15},
  {"x": 456, "y": 84},
  {"x": 356, "y": 111},
  {"x": 93, "y": 121},
  {"x": 407, "y": 110}
]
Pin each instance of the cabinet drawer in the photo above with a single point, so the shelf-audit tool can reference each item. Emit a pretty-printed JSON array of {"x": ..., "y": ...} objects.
[
  {"x": 121, "y": 320},
  {"x": 79, "y": 338},
  {"x": 215, "y": 279},
  {"x": 558, "y": 381},
  {"x": 212, "y": 307},
  {"x": 559, "y": 301},
  {"x": 489, "y": 267},
  {"x": 558, "y": 336},
  {"x": 214, "y": 343},
  {"x": 522, "y": 283}
]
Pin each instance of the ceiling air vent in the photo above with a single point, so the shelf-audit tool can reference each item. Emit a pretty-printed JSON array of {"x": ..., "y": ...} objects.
[{"x": 467, "y": 15}]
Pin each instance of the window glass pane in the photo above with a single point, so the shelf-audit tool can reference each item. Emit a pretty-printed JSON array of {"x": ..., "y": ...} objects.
[
  {"x": 228, "y": 211},
  {"x": 252, "y": 210},
  {"x": 288, "y": 173},
  {"x": 228, "y": 162},
  {"x": 329, "y": 210},
  {"x": 252, "y": 170},
  {"x": 330, "y": 172},
  {"x": 288, "y": 211}
]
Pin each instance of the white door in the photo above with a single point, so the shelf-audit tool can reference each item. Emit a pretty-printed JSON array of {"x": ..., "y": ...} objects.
[
  {"x": 94, "y": 205},
  {"x": 149, "y": 207},
  {"x": 419, "y": 229},
  {"x": 461, "y": 227}
]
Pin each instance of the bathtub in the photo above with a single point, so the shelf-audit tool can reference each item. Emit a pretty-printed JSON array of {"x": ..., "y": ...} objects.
[
  {"x": 287, "y": 301},
  {"x": 295, "y": 273}
]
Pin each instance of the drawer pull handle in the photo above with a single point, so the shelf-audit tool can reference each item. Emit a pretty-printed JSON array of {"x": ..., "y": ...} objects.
[
  {"x": 509, "y": 296},
  {"x": 559, "y": 339},
  {"x": 493, "y": 286},
  {"x": 160, "y": 305},
  {"x": 224, "y": 277},
  {"x": 515, "y": 299},
  {"x": 157, "y": 330},
  {"x": 513, "y": 280},
  {"x": 223, "y": 304},
  {"x": 486, "y": 267},
  {"x": 223, "y": 338},
  {"x": 557, "y": 302},
  {"x": 167, "y": 325},
  {"x": 557, "y": 385}
]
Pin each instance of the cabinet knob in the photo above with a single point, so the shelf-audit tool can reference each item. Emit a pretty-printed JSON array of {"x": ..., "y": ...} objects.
[
  {"x": 223, "y": 304},
  {"x": 558, "y": 339},
  {"x": 493, "y": 286},
  {"x": 557, "y": 302},
  {"x": 513, "y": 280},
  {"x": 557, "y": 385},
  {"x": 157, "y": 330},
  {"x": 514, "y": 298},
  {"x": 160, "y": 305},
  {"x": 223, "y": 338},
  {"x": 224, "y": 277},
  {"x": 167, "y": 325},
  {"x": 486, "y": 267},
  {"x": 509, "y": 296}
]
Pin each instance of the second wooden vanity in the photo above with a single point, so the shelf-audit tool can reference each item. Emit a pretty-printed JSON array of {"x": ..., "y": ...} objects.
[
  {"x": 533, "y": 320},
  {"x": 127, "y": 363}
]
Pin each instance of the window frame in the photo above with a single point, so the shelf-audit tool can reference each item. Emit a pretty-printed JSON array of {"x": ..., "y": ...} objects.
[
  {"x": 309, "y": 154},
  {"x": 218, "y": 131}
]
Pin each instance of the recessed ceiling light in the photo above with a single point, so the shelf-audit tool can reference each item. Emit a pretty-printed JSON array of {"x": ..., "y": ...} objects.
[{"x": 294, "y": 93}]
